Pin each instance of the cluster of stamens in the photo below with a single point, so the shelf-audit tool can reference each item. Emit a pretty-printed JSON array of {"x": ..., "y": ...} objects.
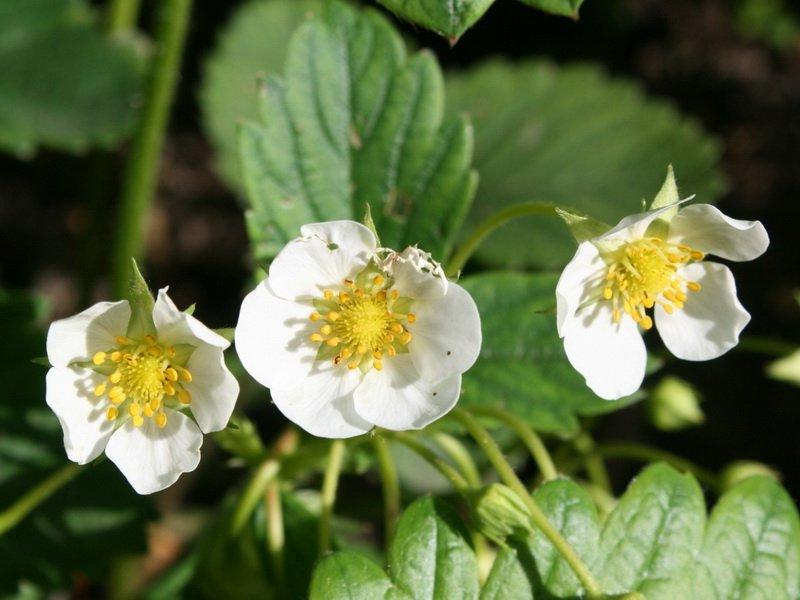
[
  {"x": 645, "y": 273},
  {"x": 362, "y": 323},
  {"x": 141, "y": 378}
]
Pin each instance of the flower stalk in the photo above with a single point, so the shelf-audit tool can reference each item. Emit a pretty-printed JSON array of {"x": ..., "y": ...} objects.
[
  {"x": 390, "y": 484},
  {"x": 275, "y": 534},
  {"x": 329, "y": 486},
  {"x": 453, "y": 476}
]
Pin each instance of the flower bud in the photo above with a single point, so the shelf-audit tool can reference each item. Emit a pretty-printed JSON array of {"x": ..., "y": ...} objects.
[
  {"x": 674, "y": 405},
  {"x": 786, "y": 369},
  {"x": 498, "y": 512},
  {"x": 740, "y": 470}
]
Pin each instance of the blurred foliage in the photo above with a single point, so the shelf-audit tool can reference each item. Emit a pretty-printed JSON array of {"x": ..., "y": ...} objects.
[
  {"x": 775, "y": 22},
  {"x": 355, "y": 122},
  {"x": 63, "y": 83},
  {"x": 95, "y": 518},
  {"x": 575, "y": 137}
]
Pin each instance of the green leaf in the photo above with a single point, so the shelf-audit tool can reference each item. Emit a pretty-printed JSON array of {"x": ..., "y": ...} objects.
[
  {"x": 452, "y": 19},
  {"x": 570, "y": 509},
  {"x": 522, "y": 366},
  {"x": 752, "y": 545},
  {"x": 64, "y": 84},
  {"x": 575, "y": 137},
  {"x": 652, "y": 537},
  {"x": 507, "y": 579},
  {"x": 430, "y": 557},
  {"x": 355, "y": 121},
  {"x": 91, "y": 521},
  {"x": 254, "y": 42}
]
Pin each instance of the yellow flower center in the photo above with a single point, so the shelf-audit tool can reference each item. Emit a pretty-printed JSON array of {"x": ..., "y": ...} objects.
[
  {"x": 644, "y": 273},
  {"x": 362, "y": 323},
  {"x": 141, "y": 377}
]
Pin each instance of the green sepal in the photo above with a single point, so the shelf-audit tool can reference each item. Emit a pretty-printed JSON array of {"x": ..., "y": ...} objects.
[
  {"x": 370, "y": 224},
  {"x": 226, "y": 332},
  {"x": 190, "y": 309},
  {"x": 142, "y": 304},
  {"x": 241, "y": 439},
  {"x": 581, "y": 226},
  {"x": 666, "y": 196},
  {"x": 42, "y": 361}
]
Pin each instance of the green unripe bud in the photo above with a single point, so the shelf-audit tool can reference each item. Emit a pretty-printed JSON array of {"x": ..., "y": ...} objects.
[
  {"x": 740, "y": 470},
  {"x": 498, "y": 513},
  {"x": 674, "y": 405}
]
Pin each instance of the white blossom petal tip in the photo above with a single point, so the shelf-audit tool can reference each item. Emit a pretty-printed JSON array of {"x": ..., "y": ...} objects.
[
  {"x": 355, "y": 336},
  {"x": 128, "y": 395}
]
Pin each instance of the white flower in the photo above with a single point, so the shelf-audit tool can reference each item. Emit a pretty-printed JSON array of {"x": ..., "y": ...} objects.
[
  {"x": 654, "y": 260},
  {"x": 348, "y": 336},
  {"x": 129, "y": 396}
]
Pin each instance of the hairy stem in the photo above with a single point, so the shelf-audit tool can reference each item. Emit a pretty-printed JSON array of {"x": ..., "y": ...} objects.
[
  {"x": 456, "y": 451},
  {"x": 486, "y": 227},
  {"x": 593, "y": 460},
  {"x": 275, "y": 535},
  {"x": 540, "y": 520},
  {"x": 253, "y": 493},
  {"x": 11, "y": 516},
  {"x": 532, "y": 441},
  {"x": 140, "y": 175},
  {"x": 390, "y": 484},
  {"x": 453, "y": 476},
  {"x": 123, "y": 14},
  {"x": 644, "y": 453},
  {"x": 329, "y": 486}
]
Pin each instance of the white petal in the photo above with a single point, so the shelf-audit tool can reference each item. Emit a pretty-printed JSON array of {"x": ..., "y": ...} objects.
[
  {"x": 213, "y": 388},
  {"x": 705, "y": 228},
  {"x": 446, "y": 335},
  {"x": 397, "y": 398},
  {"x": 325, "y": 255},
  {"x": 634, "y": 227},
  {"x": 177, "y": 327},
  {"x": 82, "y": 415},
  {"x": 322, "y": 402},
  {"x": 79, "y": 337},
  {"x": 610, "y": 356},
  {"x": 711, "y": 320},
  {"x": 151, "y": 458},
  {"x": 272, "y": 338},
  {"x": 416, "y": 274},
  {"x": 575, "y": 281}
]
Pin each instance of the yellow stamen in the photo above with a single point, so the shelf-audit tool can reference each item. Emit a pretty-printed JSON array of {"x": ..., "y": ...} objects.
[
  {"x": 184, "y": 397},
  {"x": 100, "y": 390},
  {"x": 161, "y": 420},
  {"x": 99, "y": 358},
  {"x": 112, "y": 413},
  {"x": 171, "y": 374}
]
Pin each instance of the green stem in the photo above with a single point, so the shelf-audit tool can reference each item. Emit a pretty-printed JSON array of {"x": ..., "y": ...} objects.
[
  {"x": 329, "y": 485},
  {"x": 595, "y": 467},
  {"x": 644, "y": 453},
  {"x": 532, "y": 441},
  {"x": 275, "y": 535},
  {"x": 253, "y": 493},
  {"x": 453, "y": 476},
  {"x": 509, "y": 477},
  {"x": 486, "y": 227},
  {"x": 390, "y": 484},
  {"x": 456, "y": 451},
  {"x": 140, "y": 175},
  {"x": 122, "y": 15},
  {"x": 765, "y": 345},
  {"x": 11, "y": 516}
]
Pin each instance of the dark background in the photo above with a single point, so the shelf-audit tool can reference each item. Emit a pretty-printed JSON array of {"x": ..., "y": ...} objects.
[{"x": 744, "y": 90}]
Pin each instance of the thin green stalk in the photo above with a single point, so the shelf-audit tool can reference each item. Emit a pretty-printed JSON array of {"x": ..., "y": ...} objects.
[
  {"x": 390, "y": 484},
  {"x": 486, "y": 227},
  {"x": 122, "y": 15},
  {"x": 644, "y": 453},
  {"x": 253, "y": 493},
  {"x": 509, "y": 477},
  {"x": 456, "y": 451},
  {"x": 329, "y": 485},
  {"x": 453, "y": 476},
  {"x": 11, "y": 516},
  {"x": 275, "y": 535},
  {"x": 595, "y": 467},
  {"x": 141, "y": 172},
  {"x": 532, "y": 441}
]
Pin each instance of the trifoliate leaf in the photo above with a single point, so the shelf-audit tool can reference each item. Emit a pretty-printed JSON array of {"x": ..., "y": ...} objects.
[
  {"x": 575, "y": 137},
  {"x": 356, "y": 121},
  {"x": 522, "y": 365},
  {"x": 63, "y": 83}
]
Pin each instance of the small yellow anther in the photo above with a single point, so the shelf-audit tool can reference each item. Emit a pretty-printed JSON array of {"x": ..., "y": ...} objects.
[
  {"x": 325, "y": 329},
  {"x": 646, "y": 322},
  {"x": 116, "y": 395},
  {"x": 667, "y": 308},
  {"x": 315, "y": 316},
  {"x": 411, "y": 317},
  {"x": 155, "y": 351},
  {"x": 186, "y": 375},
  {"x": 346, "y": 353},
  {"x": 150, "y": 339},
  {"x": 391, "y": 351},
  {"x": 184, "y": 397},
  {"x": 169, "y": 389},
  {"x": 333, "y": 316},
  {"x": 344, "y": 297},
  {"x": 352, "y": 365},
  {"x": 697, "y": 255},
  {"x": 396, "y": 328},
  {"x": 405, "y": 338},
  {"x": 116, "y": 356},
  {"x": 161, "y": 420},
  {"x": 395, "y": 294},
  {"x": 148, "y": 410},
  {"x": 361, "y": 349},
  {"x": 333, "y": 342},
  {"x": 377, "y": 365},
  {"x": 171, "y": 374},
  {"x": 112, "y": 413},
  {"x": 315, "y": 337},
  {"x": 134, "y": 409},
  {"x": 378, "y": 280},
  {"x": 381, "y": 295},
  {"x": 123, "y": 341},
  {"x": 377, "y": 355},
  {"x": 138, "y": 421},
  {"x": 388, "y": 338},
  {"x": 693, "y": 286},
  {"x": 100, "y": 390},
  {"x": 171, "y": 352},
  {"x": 607, "y": 293},
  {"x": 99, "y": 358},
  {"x": 328, "y": 294},
  {"x": 115, "y": 376}
]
